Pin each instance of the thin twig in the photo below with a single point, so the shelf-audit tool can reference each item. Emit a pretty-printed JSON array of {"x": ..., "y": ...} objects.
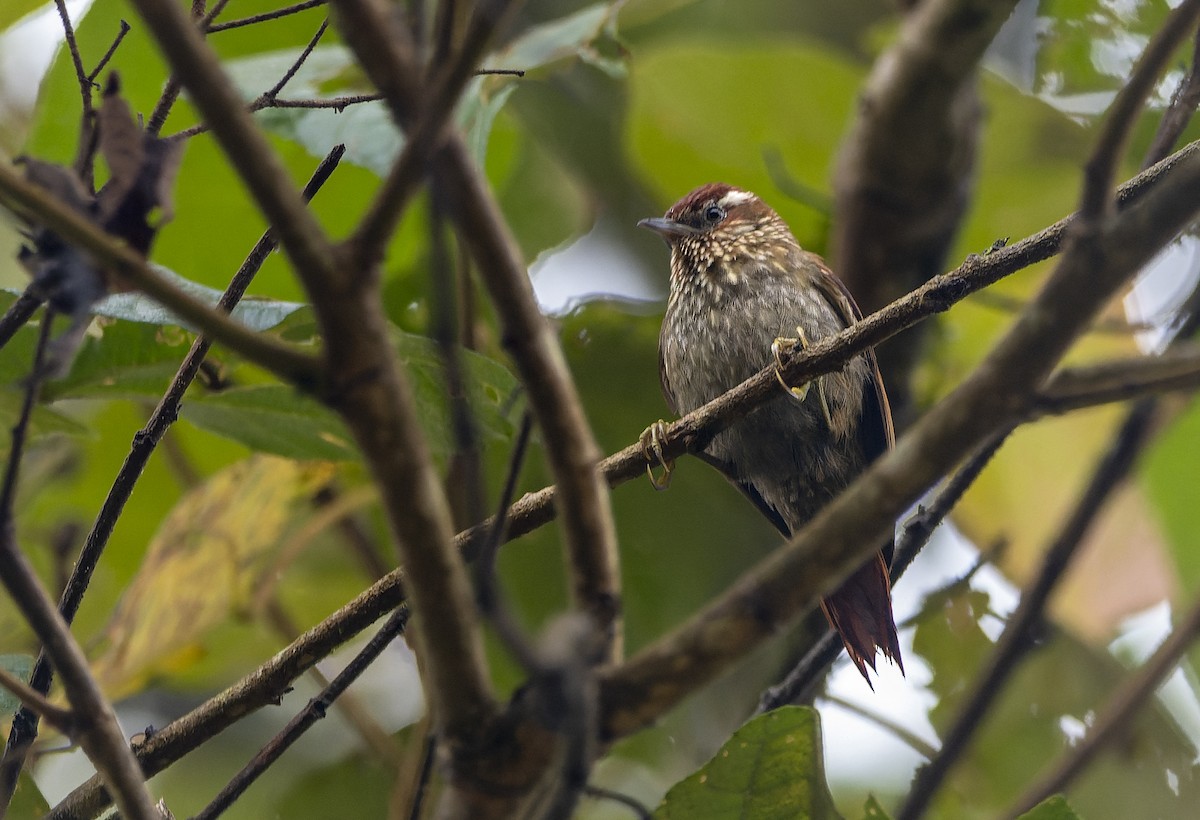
[
  {"x": 1020, "y": 631},
  {"x": 24, "y": 728},
  {"x": 1116, "y": 714},
  {"x": 18, "y": 313},
  {"x": 61, "y": 719},
  {"x": 1183, "y": 105},
  {"x": 96, "y": 724},
  {"x": 314, "y": 711},
  {"x": 424, "y": 775},
  {"x": 87, "y": 118},
  {"x": 902, "y": 733},
  {"x": 108, "y": 55},
  {"x": 272, "y": 92},
  {"x": 265, "y": 16},
  {"x": 1099, "y": 172}
]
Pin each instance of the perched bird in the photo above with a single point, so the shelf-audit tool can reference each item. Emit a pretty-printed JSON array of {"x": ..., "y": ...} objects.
[{"x": 742, "y": 286}]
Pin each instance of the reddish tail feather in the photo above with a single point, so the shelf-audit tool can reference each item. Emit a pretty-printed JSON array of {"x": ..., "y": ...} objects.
[{"x": 861, "y": 613}]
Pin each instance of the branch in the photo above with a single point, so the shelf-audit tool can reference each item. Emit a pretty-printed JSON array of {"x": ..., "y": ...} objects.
[
  {"x": 1116, "y": 714},
  {"x": 24, "y": 728},
  {"x": 368, "y": 387},
  {"x": 95, "y": 722},
  {"x": 995, "y": 395},
  {"x": 1074, "y": 388},
  {"x": 692, "y": 432},
  {"x": 381, "y": 46},
  {"x": 314, "y": 711},
  {"x": 904, "y": 175},
  {"x": 61, "y": 719},
  {"x": 264, "y": 686},
  {"x": 199, "y": 71},
  {"x": 36, "y": 204},
  {"x": 1020, "y": 631},
  {"x": 265, "y": 16}
]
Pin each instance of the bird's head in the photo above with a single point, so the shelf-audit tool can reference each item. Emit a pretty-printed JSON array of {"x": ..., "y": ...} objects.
[{"x": 717, "y": 230}]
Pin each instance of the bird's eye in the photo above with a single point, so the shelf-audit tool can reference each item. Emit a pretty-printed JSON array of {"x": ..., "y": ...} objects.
[{"x": 713, "y": 214}]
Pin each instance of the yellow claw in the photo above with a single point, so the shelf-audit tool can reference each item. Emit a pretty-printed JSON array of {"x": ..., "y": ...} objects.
[
  {"x": 652, "y": 440},
  {"x": 799, "y": 393}
]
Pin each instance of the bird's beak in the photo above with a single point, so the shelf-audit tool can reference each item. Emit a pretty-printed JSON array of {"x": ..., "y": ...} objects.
[{"x": 668, "y": 229}]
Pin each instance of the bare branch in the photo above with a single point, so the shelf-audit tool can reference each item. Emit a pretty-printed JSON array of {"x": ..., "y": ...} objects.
[
  {"x": 382, "y": 48},
  {"x": 996, "y": 394},
  {"x": 95, "y": 721},
  {"x": 314, "y": 711},
  {"x": 1020, "y": 631},
  {"x": 1116, "y": 714},
  {"x": 265, "y": 16},
  {"x": 24, "y": 728},
  {"x": 1096, "y": 199},
  {"x": 904, "y": 174},
  {"x": 61, "y": 719},
  {"x": 34, "y": 203}
]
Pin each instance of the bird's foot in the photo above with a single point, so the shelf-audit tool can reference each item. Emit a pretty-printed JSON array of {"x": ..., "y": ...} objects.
[
  {"x": 652, "y": 440},
  {"x": 800, "y": 393}
]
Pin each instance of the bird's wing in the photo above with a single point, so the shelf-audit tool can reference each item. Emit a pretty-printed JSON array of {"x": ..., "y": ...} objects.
[{"x": 879, "y": 435}]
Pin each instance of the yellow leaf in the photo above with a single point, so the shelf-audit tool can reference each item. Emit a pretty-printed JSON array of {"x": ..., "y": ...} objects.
[{"x": 204, "y": 564}]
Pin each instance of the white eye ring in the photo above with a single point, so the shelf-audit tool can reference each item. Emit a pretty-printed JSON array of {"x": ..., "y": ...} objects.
[{"x": 713, "y": 213}]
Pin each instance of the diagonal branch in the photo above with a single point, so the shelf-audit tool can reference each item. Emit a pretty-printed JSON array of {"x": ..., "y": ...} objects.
[
  {"x": 692, "y": 432},
  {"x": 381, "y": 47},
  {"x": 997, "y": 394},
  {"x": 24, "y": 726},
  {"x": 36, "y": 204},
  {"x": 905, "y": 172},
  {"x": 95, "y": 721}
]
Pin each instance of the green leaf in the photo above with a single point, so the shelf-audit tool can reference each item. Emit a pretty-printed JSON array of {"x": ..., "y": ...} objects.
[
  {"x": 771, "y": 768},
  {"x": 19, "y": 666},
  {"x": 13, "y": 10},
  {"x": 575, "y": 35},
  {"x": 28, "y": 800},
  {"x": 273, "y": 419},
  {"x": 257, "y": 314},
  {"x": 1166, "y": 476},
  {"x": 127, "y": 360},
  {"x": 1052, "y": 808}
]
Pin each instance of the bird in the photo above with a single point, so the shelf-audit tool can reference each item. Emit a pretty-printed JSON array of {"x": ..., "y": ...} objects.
[{"x": 742, "y": 289}]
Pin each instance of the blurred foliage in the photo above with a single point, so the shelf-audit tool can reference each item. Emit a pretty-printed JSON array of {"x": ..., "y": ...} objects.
[{"x": 623, "y": 108}]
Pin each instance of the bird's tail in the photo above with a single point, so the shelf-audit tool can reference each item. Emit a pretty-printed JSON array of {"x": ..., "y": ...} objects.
[{"x": 861, "y": 612}]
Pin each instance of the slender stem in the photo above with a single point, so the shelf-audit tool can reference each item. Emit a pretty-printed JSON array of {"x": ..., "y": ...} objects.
[
  {"x": 95, "y": 721},
  {"x": 61, "y": 719},
  {"x": 42, "y": 207},
  {"x": 265, "y": 16},
  {"x": 1096, "y": 199},
  {"x": 314, "y": 711},
  {"x": 1116, "y": 714},
  {"x": 1019, "y": 633},
  {"x": 24, "y": 728}
]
